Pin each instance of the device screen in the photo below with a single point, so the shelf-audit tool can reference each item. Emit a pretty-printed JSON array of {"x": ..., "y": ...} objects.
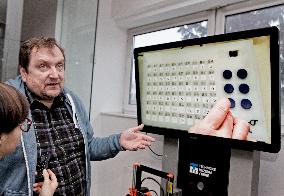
[{"x": 178, "y": 83}]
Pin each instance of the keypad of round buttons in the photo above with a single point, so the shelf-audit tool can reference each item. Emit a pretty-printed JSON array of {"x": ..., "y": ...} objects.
[{"x": 243, "y": 87}]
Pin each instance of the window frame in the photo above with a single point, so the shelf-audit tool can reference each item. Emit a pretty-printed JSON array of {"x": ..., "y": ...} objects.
[{"x": 208, "y": 16}]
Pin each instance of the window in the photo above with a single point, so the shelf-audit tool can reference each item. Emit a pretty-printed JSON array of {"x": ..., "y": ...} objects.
[
  {"x": 78, "y": 31},
  {"x": 265, "y": 17},
  {"x": 242, "y": 16},
  {"x": 183, "y": 32}
]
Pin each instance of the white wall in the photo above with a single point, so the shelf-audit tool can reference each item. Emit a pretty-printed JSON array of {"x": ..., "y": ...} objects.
[
  {"x": 109, "y": 68},
  {"x": 134, "y": 13},
  {"x": 107, "y": 95},
  {"x": 113, "y": 177}
]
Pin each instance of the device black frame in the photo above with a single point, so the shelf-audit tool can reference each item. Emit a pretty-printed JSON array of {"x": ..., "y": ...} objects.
[{"x": 273, "y": 32}]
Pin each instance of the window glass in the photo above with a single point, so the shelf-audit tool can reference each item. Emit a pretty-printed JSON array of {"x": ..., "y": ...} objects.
[
  {"x": 267, "y": 17},
  {"x": 195, "y": 30},
  {"x": 78, "y": 39}
]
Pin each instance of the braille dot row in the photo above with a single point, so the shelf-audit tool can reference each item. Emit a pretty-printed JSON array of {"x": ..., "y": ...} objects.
[
  {"x": 241, "y": 73},
  {"x": 243, "y": 88},
  {"x": 245, "y": 103}
]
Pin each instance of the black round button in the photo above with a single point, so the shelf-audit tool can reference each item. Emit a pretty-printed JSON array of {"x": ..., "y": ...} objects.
[
  {"x": 227, "y": 74},
  {"x": 233, "y": 104},
  {"x": 246, "y": 104},
  {"x": 242, "y": 73},
  {"x": 228, "y": 88},
  {"x": 244, "y": 88}
]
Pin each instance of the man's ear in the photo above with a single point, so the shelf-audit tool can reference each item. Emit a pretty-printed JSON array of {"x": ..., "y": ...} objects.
[{"x": 23, "y": 73}]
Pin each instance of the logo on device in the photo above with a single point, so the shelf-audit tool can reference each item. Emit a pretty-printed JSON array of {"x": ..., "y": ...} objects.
[
  {"x": 193, "y": 168},
  {"x": 202, "y": 170}
]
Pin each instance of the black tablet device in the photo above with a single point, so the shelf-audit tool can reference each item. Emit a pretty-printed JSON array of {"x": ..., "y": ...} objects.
[{"x": 178, "y": 83}]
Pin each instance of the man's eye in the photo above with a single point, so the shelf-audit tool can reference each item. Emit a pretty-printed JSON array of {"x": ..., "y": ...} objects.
[
  {"x": 42, "y": 66},
  {"x": 60, "y": 67}
]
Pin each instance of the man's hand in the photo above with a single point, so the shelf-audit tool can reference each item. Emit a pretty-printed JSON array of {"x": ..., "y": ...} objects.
[
  {"x": 221, "y": 123},
  {"x": 46, "y": 188},
  {"x": 132, "y": 139}
]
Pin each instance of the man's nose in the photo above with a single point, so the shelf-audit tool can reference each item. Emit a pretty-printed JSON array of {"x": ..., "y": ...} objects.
[{"x": 53, "y": 72}]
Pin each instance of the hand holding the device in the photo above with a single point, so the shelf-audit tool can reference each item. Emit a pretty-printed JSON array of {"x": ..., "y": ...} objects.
[
  {"x": 221, "y": 123},
  {"x": 132, "y": 139},
  {"x": 48, "y": 186}
]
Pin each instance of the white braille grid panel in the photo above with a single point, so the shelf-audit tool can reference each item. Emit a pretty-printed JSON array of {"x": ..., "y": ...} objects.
[
  {"x": 176, "y": 92},
  {"x": 246, "y": 59},
  {"x": 178, "y": 87}
]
